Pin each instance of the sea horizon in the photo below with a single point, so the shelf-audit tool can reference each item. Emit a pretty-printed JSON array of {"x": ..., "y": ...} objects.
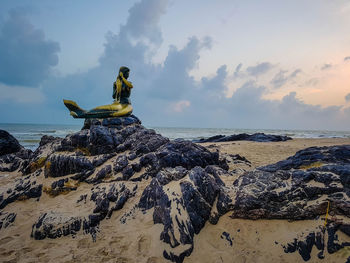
[{"x": 29, "y": 134}]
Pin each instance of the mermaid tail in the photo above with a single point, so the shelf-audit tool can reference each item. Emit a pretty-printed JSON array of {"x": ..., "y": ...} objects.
[
  {"x": 75, "y": 110},
  {"x": 112, "y": 110}
]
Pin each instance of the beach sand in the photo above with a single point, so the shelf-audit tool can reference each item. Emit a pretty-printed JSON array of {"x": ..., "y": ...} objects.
[
  {"x": 137, "y": 240},
  {"x": 263, "y": 153}
]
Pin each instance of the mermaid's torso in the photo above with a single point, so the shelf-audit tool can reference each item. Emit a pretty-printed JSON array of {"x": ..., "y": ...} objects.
[{"x": 124, "y": 94}]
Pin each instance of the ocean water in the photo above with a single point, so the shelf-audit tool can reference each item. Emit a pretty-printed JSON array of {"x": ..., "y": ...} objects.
[{"x": 29, "y": 134}]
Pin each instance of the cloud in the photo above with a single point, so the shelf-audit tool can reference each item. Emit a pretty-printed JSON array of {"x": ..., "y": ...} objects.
[
  {"x": 143, "y": 20},
  {"x": 237, "y": 70},
  {"x": 166, "y": 94},
  {"x": 347, "y": 97},
  {"x": 180, "y": 106},
  {"x": 215, "y": 85},
  {"x": 249, "y": 109},
  {"x": 282, "y": 78},
  {"x": 326, "y": 66},
  {"x": 295, "y": 73},
  {"x": 312, "y": 82},
  {"x": 129, "y": 47},
  {"x": 26, "y": 56},
  {"x": 279, "y": 79},
  {"x": 173, "y": 79},
  {"x": 21, "y": 95},
  {"x": 347, "y": 58},
  {"x": 259, "y": 69}
]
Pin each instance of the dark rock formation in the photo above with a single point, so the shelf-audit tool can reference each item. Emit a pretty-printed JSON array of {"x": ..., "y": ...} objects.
[
  {"x": 47, "y": 139},
  {"x": 12, "y": 162},
  {"x": 23, "y": 189},
  {"x": 256, "y": 137},
  {"x": 112, "y": 122},
  {"x": 313, "y": 157},
  {"x": 289, "y": 189},
  {"x": 54, "y": 225},
  {"x": 317, "y": 239},
  {"x": 6, "y": 219},
  {"x": 12, "y": 155},
  {"x": 122, "y": 166},
  {"x": 8, "y": 143}
]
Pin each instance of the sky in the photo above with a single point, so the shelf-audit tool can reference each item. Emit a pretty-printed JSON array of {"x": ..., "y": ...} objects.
[{"x": 231, "y": 64}]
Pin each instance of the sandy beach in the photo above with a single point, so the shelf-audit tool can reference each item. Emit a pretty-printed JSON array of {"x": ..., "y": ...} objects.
[
  {"x": 263, "y": 153},
  {"x": 137, "y": 240}
]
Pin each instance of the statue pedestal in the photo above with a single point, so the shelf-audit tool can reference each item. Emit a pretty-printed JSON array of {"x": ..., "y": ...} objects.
[{"x": 116, "y": 122}]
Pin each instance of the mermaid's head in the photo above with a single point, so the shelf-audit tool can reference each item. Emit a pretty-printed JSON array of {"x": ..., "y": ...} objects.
[{"x": 125, "y": 71}]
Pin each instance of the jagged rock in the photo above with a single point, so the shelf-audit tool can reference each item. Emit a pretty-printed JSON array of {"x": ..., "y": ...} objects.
[
  {"x": 8, "y": 143},
  {"x": 192, "y": 200},
  {"x": 256, "y": 137},
  {"x": 101, "y": 174},
  {"x": 23, "y": 189},
  {"x": 62, "y": 186},
  {"x": 118, "y": 123},
  {"x": 305, "y": 244},
  {"x": 47, "y": 139},
  {"x": 112, "y": 199},
  {"x": 282, "y": 191},
  {"x": 54, "y": 225},
  {"x": 12, "y": 162},
  {"x": 6, "y": 219},
  {"x": 60, "y": 165},
  {"x": 117, "y": 169},
  {"x": 313, "y": 157}
]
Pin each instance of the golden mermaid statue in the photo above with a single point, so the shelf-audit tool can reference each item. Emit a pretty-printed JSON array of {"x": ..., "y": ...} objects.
[{"x": 120, "y": 107}]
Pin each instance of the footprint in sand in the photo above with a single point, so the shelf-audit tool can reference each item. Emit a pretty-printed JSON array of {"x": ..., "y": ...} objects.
[
  {"x": 7, "y": 253},
  {"x": 143, "y": 244},
  {"x": 5, "y": 240}
]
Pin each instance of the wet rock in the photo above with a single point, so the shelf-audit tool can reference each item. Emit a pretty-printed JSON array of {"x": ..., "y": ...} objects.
[
  {"x": 181, "y": 185},
  {"x": 192, "y": 201},
  {"x": 54, "y": 225},
  {"x": 120, "y": 163},
  {"x": 313, "y": 157},
  {"x": 110, "y": 199},
  {"x": 8, "y": 143},
  {"x": 12, "y": 162},
  {"x": 256, "y": 137},
  {"x": 321, "y": 239},
  {"x": 294, "y": 188},
  {"x": 62, "y": 186},
  {"x": 60, "y": 165},
  {"x": 101, "y": 174},
  {"x": 227, "y": 236},
  {"x": 6, "y": 219},
  {"x": 48, "y": 139},
  {"x": 101, "y": 159},
  {"x": 185, "y": 154},
  {"x": 118, "y": 123},
  {"x": 23, "y": 189}
]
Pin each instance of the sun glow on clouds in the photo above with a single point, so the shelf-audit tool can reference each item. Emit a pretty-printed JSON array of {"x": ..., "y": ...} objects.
[{"x": 319, "y": 85}]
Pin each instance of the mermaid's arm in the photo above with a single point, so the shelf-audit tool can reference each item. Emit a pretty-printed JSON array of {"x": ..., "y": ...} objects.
[{"x": 127, "y": 83}]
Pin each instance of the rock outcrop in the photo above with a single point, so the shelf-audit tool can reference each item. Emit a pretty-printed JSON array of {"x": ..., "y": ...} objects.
[
  {"x": 8, "y": 143},
  {"x": 256, "y": 137},
  {"x": 117, "y": 168}
]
